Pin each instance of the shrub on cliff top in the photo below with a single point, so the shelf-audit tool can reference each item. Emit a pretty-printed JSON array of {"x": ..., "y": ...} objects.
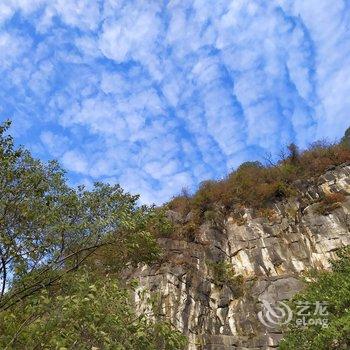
[
  {"x": 257, "y": 186},
  {"x": 346, "y": 139}
]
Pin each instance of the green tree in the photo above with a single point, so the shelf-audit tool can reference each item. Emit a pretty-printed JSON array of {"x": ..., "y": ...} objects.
[
  {"x": 48, "y": 229},
  {"x": 61, "y": 251},
  {"x": 85, "y": 312},
  {"x": 346, "y": 138},
  {"x": 332, "y": 287}
]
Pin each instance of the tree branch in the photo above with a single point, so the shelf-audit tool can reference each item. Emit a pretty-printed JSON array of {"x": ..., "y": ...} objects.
[
  {"x": 4, "y": 276},
  {"x": 41, "y": 284}
]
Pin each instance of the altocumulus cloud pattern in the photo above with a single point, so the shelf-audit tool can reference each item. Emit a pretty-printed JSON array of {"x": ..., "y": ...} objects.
[{"x": 157, "y": 95}]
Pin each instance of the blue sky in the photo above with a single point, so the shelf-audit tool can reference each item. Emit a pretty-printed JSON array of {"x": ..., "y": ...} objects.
[{"x": 160, "y": 95}]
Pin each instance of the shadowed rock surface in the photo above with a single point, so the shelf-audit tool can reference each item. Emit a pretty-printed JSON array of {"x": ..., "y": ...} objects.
[{"x": 264, "y": 259}]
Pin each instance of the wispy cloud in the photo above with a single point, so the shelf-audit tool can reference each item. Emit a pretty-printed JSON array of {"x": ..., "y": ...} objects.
[{"x": 162, "y": 95}]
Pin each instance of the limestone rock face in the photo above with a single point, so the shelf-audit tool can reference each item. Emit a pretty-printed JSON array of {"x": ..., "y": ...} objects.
[{"x": 270, "y": 254}]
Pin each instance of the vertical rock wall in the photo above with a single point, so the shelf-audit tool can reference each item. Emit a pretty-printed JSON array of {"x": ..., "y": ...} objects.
[{"x": 264, "y": 259}]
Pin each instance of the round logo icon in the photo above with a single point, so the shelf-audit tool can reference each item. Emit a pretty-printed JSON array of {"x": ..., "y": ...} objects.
[{"x": 273, "y": 316}]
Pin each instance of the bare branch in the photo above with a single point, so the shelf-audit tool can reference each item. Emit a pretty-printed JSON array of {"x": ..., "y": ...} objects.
[{"x": 41, "y": 284}]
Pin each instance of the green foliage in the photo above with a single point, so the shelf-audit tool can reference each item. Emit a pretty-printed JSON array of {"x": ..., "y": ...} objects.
[
  {"x": 159, "y": 224},
  {"x": 214, "y": 217},
  {"x": 48, "y": 229},
  {"x": 332, "y": 287},
  {"x": 224, "y": 274},
  {"x": 346, "y": 139},
  {"x": 84, "y": 312},
  {"x": 58, "y": 245},
  {"x": 250, "y": 165},
  {"x": 203, "y": 198},
  {"x": 294, "y": 154}
]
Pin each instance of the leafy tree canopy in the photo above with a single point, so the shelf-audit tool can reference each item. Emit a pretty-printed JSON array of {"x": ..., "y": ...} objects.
[
  {"x": 85, "y": 312},
  {"x": 61, "y": 251},
  {"x": 332, "y": 287}
]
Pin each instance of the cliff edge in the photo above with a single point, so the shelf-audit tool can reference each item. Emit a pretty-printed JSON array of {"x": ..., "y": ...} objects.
[{"x": 212, "y": 288}]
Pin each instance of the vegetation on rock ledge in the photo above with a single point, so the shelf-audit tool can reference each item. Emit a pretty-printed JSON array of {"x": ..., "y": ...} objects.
[{"x": 258, "y": 186}]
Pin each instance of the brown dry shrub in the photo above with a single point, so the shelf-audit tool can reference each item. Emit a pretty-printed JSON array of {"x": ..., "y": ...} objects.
[
  {"x": 267, "y": 213},
  {"x": 257, "y": 186},
  {"x": 181, "y": 204},
  {"x": 322, "y": 156},
  {"x": 330, "y": 202}
]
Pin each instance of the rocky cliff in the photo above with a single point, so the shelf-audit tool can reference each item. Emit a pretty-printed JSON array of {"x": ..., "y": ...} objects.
[{"x": 212, "y": 288}]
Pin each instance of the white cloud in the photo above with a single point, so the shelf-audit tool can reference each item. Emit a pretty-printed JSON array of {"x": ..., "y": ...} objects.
[
  {"x": 56, "y": 144},
  {"x": 6, "y": 12},
  {"x": 326, "y": 23},
  {"x": 160, "y": 96},
  {"x": 84, "y": 14},
  {"x": 75, "y": 161},
  {"x": 132, "y": 34},
  {"x": 12, "y": 47}
]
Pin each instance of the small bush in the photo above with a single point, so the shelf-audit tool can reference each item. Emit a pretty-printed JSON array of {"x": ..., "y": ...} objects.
[
  {"x": 267, "y": 213},
  {"x": 346, "y": 139},
  {"x": 257, "y": 186},
  {"x": 180, "y": 204},
  {"x": 214, "y": 217},
  {"x": 224, "y": 274},
  {"x": 329, "y": 203}
]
